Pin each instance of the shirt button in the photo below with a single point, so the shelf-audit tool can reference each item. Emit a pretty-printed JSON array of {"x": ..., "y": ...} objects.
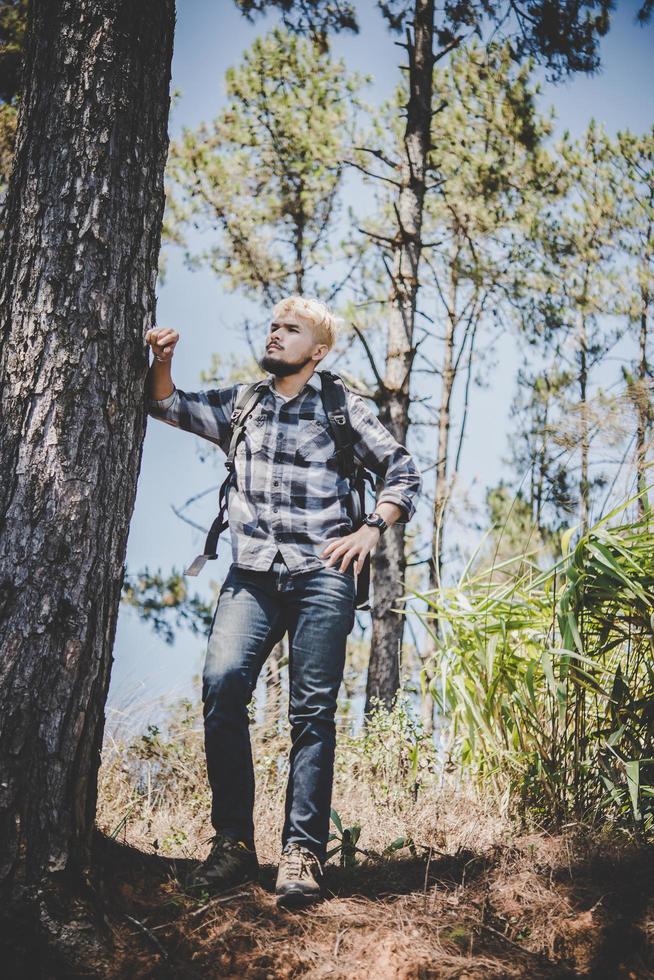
[
  {"x": 276, "y": 483},
  {"x": 275, "y": 509}
]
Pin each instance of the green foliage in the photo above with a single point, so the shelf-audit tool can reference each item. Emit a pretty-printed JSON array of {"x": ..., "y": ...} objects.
[
  {"x": 153, "y": 785},
  {"x": 313, "y": 17},
  {"x": 538, "y": 450},
  {"x": 486, "y": 171},
  {"x": 563, "y": 36},
  {"x": 512, "y": 527},
  {"x": 567, "y": 271},
  {"x": 487, "y": 154},
  {"x": 633, "y": 164},
  {"x": 13, "y": 27},
  {"x": 159, "y": 770},
  {"x": 8, "y": 121},
  {"x": 396, "y": 753},
  {"x": 545, "y": 681},
  {"x": 264, "y": 177},
  {"x": 584, "y": 277},
  {"x": 157, "y": 599},
  {"x": 347, "y": 838},
  {"x": 488, "y": 166}
]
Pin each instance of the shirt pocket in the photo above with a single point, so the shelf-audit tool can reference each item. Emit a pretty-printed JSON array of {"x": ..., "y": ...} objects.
[
  {"x": 315, "y": 443},
  {"x": 256, "y": 434}
]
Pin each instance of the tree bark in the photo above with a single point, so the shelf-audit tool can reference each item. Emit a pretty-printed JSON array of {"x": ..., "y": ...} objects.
[
  {"x": 274, "y": 685},
  {"x": 389, "y": 562},
  {"x": 644, "y": 406},
  {"x": 448, "y": 377},
  {"x": 77, "y": 293},
  {"x": 584, "y": 438},
  {"x": 448, "y": 372}
]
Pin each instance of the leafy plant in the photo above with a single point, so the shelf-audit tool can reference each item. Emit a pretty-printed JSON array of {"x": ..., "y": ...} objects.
[
  {"x": 347, "y": 838},
  {"x": 544, "y": 679}
]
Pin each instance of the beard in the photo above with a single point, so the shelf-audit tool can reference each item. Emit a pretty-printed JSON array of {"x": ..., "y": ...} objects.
[{"x": 281, "y": 369}]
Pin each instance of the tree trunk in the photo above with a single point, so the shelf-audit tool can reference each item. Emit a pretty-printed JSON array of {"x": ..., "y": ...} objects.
[
  {"x": 388, "y": 562},
  {"x": 77, "y": 292},
  {"x": 584, "y": 440},
  {"x": 448, "y": 376},
  {"x": 644, "y": 407},
  {"x": 274, "y": 685},
  {"x": 542, "y": 459}
]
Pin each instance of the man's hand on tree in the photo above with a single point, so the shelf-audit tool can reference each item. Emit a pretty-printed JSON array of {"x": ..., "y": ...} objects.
[
  {"x": 356, "y": 545},
  {"x": 162, "y": 340}
]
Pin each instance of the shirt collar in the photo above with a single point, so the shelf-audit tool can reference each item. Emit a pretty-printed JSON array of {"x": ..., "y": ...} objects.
[{"x": 315, "y": 381}]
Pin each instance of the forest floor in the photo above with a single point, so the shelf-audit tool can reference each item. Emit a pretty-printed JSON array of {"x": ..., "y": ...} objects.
[
  {"x": 545, "y": 907},
  {"x": 447, "y": 884}
]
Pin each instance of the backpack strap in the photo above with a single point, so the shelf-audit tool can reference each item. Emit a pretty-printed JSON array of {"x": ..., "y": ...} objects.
[
  {"x": 358, "y": 506},
  {"x": 245, "y": 402},
  {"x": 334, "y": 399}
]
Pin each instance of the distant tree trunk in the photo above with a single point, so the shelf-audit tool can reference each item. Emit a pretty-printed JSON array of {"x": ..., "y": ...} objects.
[
  {"x": 448, "y": 377},
  {"x": 274, "y": 685},
  {"x": 427, "y": 704},
  {"x": 540, "y": 462},
  {"x": 644, "y": 406},
  {"x": 584, "y": 440},
  {"x": 77, "y": 292},
  {"x": 389, "y": 562}
]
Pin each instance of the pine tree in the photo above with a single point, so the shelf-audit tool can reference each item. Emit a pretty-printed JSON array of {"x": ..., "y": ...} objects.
[
  {"x": 634, "y": 166},
  {"x": 564, "y": 38},
  {"x": 263, "y": 179},
  {"x": 576, "y": 294},
  {"x": 77, "y": 278}
]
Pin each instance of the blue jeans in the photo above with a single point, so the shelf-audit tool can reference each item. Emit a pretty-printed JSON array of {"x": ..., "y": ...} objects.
[{"x": 254, "y": 611}]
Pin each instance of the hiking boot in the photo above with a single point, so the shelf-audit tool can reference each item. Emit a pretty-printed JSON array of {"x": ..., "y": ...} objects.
[
  {"x": 299, "y": 878},
  {"x": 230, "y": 862}
]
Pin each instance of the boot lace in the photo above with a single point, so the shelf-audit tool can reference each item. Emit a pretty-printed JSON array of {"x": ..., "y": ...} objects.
[{"x": 300, "y": 862}]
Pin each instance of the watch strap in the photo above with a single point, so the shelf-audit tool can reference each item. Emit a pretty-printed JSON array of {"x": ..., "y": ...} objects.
[{"x": 377, "y": 522}]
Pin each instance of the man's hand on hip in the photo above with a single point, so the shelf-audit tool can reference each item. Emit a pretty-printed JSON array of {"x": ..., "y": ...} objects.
[{"x": 356, "y": 545}]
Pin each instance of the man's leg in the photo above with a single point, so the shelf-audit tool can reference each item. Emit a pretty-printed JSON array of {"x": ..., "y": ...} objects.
[
  {"x": 247, "y": 624},
  {"x": 320, "y": 615}
]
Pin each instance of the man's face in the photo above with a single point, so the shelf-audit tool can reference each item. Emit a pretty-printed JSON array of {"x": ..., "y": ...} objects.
[{"x": 290, "y": 346}]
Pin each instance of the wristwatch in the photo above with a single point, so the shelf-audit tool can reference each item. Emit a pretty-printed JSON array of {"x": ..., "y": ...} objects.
[{"x": 375, "y": 520}]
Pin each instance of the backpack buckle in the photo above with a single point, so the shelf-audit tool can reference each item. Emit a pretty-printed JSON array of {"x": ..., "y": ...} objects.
[
  {"x": 235, "y": 415},
  {"x": 338, "y": 418}
]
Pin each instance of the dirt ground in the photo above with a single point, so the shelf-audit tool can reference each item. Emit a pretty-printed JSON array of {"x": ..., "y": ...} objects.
[{"x": 547, "y": 907}]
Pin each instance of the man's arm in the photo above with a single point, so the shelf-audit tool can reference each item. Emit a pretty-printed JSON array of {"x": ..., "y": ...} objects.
[
  {"x": 380, "y": 452},
  {"x": 204, "y": 413},
  {"x": 390, "y": 512},
  {"x": 159, "y": 383}
]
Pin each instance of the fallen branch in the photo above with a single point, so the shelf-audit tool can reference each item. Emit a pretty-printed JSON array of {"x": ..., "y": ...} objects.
[{"x": 146, "y": 932}]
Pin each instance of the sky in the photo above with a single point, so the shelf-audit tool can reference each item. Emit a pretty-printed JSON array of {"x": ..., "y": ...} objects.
[{"x": 210, "y": 37}]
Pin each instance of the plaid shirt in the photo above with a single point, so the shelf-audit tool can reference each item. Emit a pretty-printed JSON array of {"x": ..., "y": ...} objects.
[{"x": 288, "y": 494}]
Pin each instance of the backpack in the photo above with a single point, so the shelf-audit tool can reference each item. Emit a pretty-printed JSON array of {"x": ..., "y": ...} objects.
[{"x": 334, "y": 401}]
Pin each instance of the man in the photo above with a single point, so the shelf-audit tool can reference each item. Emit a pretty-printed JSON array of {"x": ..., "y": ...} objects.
[{"x": 289, "y": 531}]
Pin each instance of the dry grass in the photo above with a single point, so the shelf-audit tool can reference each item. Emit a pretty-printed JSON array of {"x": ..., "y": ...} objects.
[{"x": 470, "y": 897}]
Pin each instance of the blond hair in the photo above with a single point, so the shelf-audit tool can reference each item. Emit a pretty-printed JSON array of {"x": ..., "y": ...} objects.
[{"x": 323, "y": 322}]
